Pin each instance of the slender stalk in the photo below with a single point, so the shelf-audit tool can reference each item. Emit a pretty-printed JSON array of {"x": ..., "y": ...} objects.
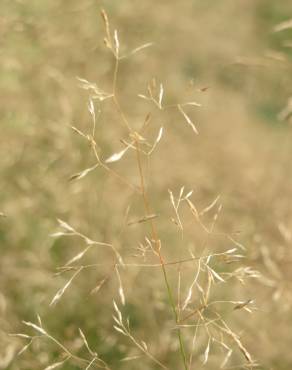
[
  {"x": 157, "y": 242},
  {"x": 148, "y": 210},
  {"x": 115, "y": 98}
]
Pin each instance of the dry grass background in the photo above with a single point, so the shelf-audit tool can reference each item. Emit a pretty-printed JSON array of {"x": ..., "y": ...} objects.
[{"x": 242, "y": 153}]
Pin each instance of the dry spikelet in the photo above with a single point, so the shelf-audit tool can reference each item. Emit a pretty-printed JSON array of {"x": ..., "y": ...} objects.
[
  {"x": 121, "y": 290},
  {"x": 20, "y": 335},
  {"x": 24, "y": 348},
  {"x": 130, "y": 358},
  {"x": 143, "y": 97},
  {"x": 159, "y": 136},
  {"x": 86, "y": 343},
  {"x": 120, "y": 330},
  {"x": 117, "y": 156},
  {"x": 226, "y": 358},
  {"x": 75, "y": 129},
  {"x": 241, "y": 305},
  {"x": 39, "y": 320},
  {"x": 176, "y": 206},
  {"x": 236, "y": 243},
  {"x": 210, "y": 206},
  {"x": 188, "y": 195},
  {"x": 206, "y": 293},
  {"x": 61, "y": 291},
  {"x": 219, "y": 209},
  {"x": 107, "y": 39},
  {"x": 99, "y": 94},
  {"x": 98, "y": 286},
  {"x": 65, "y": 225},
  {"x": 190, "y": 292},
  {"x": 117, "y": 43},
  {"x": 193, "y": 103},
  {"x": 188, "y": 120},
  {"x": 195, "y": 212},
  {"x": 171, "y": 198},
  {"x": 35, "y": 327},
  {"x": 80, "y": 175},
  {"x": 91, "y": 109},
  {"x": 144, "y": 345},
  {"x": 136, "y": 50},
  {"x": 203, "y": 89},
  {"x": 56, "y": 364},
  {"x": 118, "y": 312},
  {"x": 283, "y": 26},
  {"x": 216, "y": 275},
  {"x": 78, "y": 256},
  {"x": 161, "y": 91},
  {"x": 137, "y": 137},
  {"x": 206, "y": 353},
  {"x": 143, "y": 219}
]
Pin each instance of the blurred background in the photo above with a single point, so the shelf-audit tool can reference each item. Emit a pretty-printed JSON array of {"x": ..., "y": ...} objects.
[{"x": 232, "y": 57}]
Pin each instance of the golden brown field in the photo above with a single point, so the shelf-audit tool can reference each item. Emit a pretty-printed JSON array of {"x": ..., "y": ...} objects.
[{"x": 145, "y": 200}]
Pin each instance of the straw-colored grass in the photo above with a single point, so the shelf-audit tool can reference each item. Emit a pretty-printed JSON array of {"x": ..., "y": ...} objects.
[{"x": 146, "y": 220}]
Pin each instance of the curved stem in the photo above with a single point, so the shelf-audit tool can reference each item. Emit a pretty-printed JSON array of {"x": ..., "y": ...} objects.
[{"x": 157, "y": 242}]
